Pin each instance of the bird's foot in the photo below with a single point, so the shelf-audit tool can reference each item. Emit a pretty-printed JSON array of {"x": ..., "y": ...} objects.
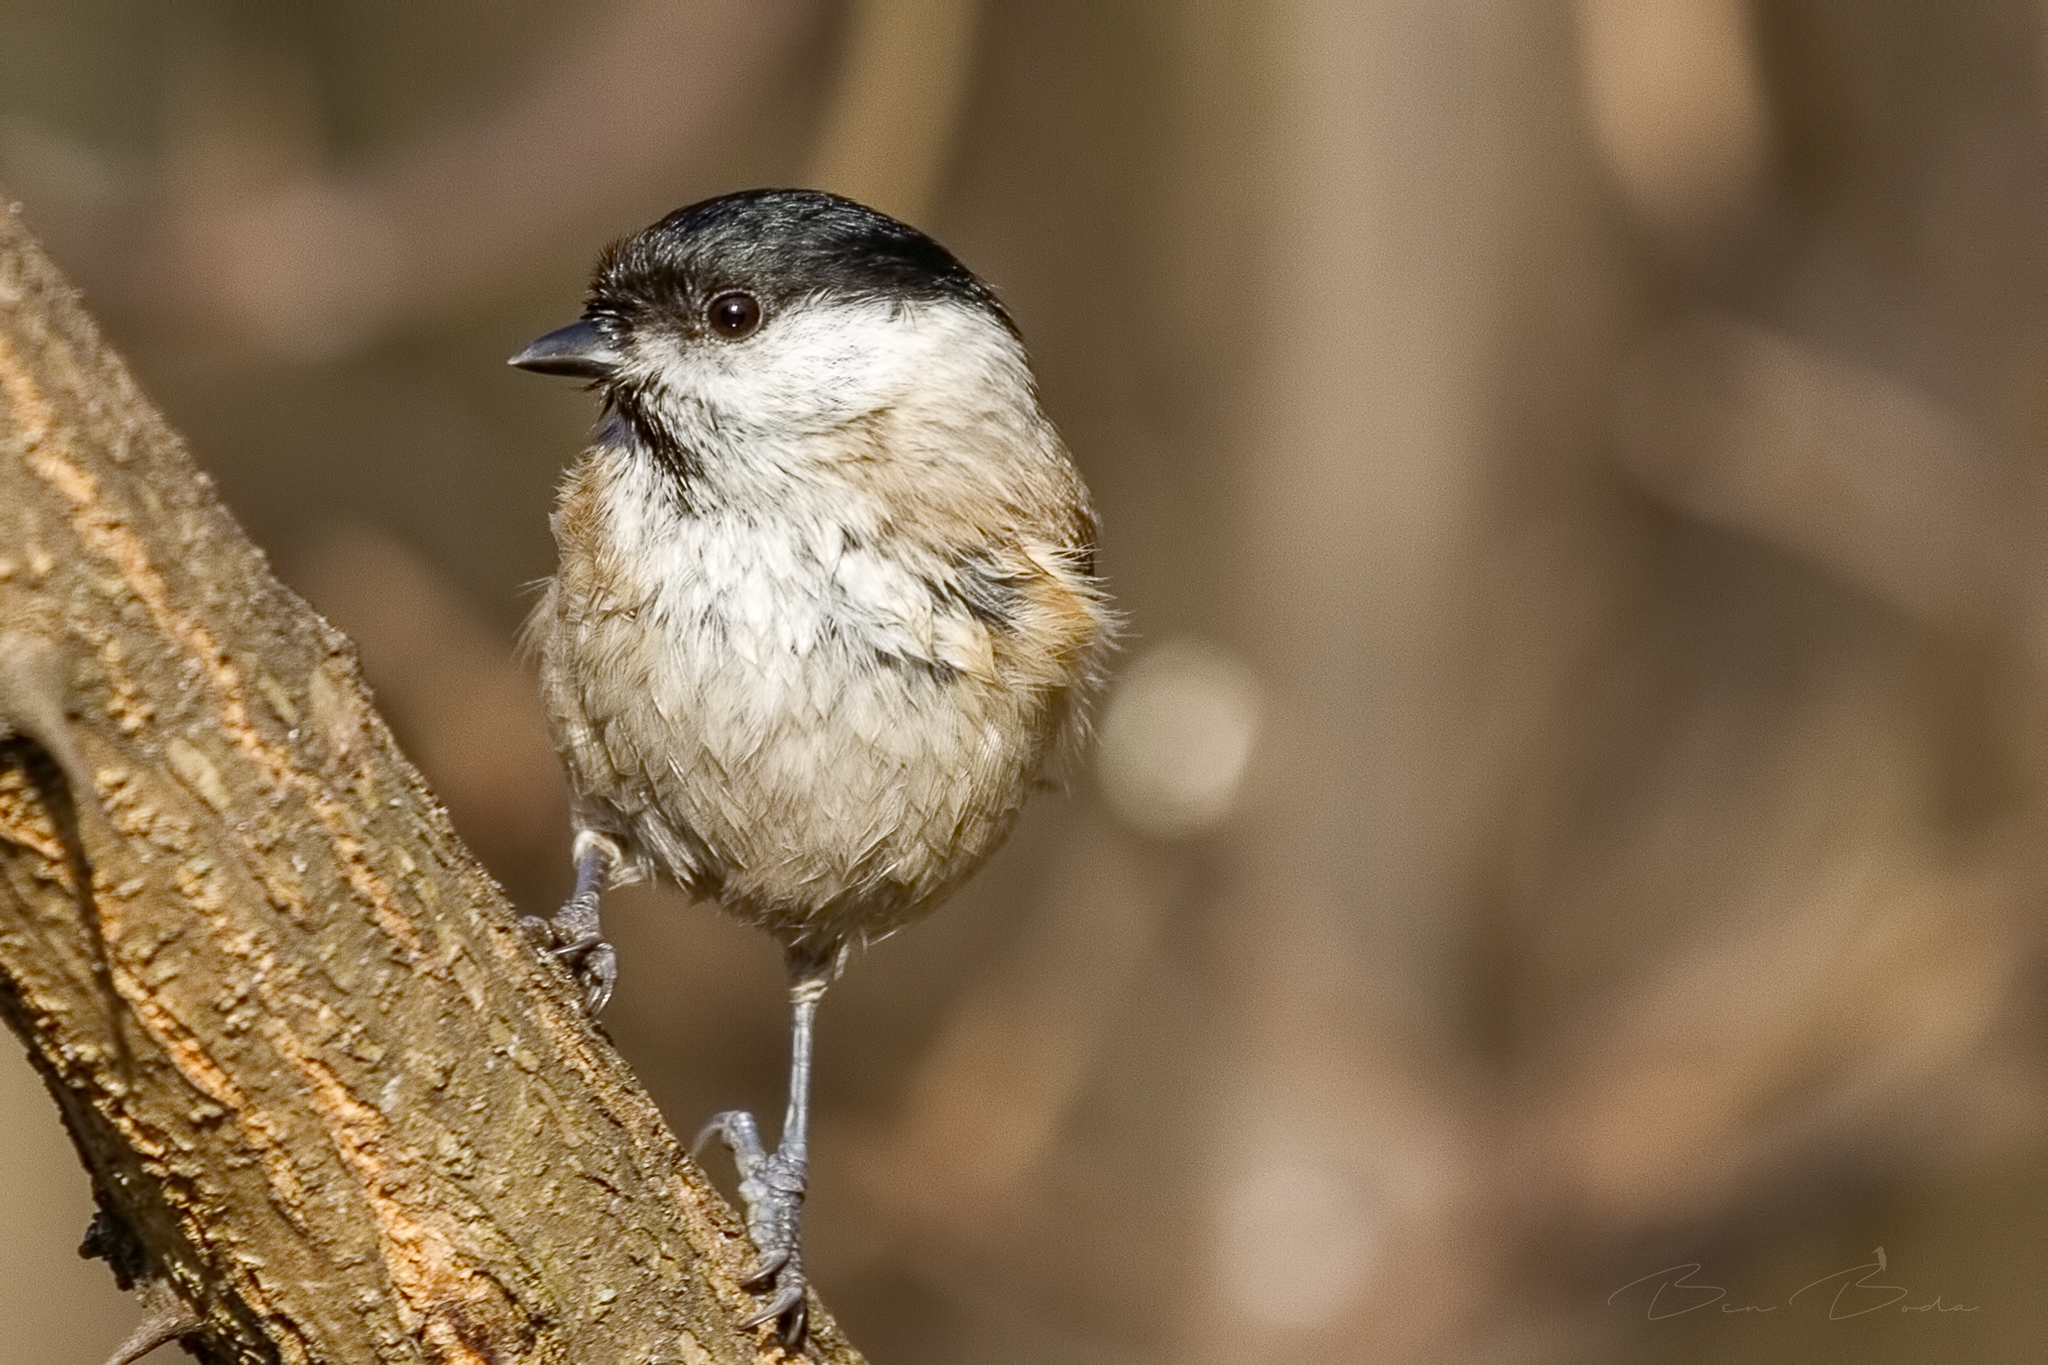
[
  {"x": 573, "y": 937},
  {"x": 772, "y": 1185}
]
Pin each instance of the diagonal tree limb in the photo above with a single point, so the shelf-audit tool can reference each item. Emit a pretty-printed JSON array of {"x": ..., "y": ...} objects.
[{"x": 330, "y": 1098}]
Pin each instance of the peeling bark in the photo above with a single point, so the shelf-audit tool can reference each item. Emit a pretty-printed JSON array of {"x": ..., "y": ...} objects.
[{"x": 329, "y": 1094}]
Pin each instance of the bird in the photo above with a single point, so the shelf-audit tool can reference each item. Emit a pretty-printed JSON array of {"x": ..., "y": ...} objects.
[{"x": 826, "y": 608}]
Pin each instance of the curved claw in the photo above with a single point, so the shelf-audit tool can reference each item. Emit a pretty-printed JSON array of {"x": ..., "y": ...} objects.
[
  {"x": 599, "y": 973},
  {"x": 585, "y": 956},
  {"x": 740, "y": 1134},
  {"x": 771, "y": 1262},
  {"x": 788, "y": 1300}
]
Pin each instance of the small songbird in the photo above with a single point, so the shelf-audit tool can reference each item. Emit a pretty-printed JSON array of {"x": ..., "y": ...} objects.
[{"x": 826, "y": 608}]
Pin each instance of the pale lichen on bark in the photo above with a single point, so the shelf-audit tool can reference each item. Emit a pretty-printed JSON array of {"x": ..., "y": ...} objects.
[{"x": 321, "y": 1080}]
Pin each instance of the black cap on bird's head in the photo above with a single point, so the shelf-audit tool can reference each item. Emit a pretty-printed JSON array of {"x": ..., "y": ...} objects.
[{"x": 726, "y": 264}]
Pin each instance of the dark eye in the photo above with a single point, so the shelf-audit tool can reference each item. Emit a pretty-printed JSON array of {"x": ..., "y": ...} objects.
[{"x": 734, "y": 315}]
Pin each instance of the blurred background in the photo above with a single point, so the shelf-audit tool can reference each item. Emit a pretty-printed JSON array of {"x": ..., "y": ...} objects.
[{"x": 1574, "y": 805}]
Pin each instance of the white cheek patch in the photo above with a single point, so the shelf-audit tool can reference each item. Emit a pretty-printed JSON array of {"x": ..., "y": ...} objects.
[{"x": 819, "y": 365}]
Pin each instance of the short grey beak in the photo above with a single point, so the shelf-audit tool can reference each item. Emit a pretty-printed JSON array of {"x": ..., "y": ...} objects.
[{"x": 578, "y": 349}]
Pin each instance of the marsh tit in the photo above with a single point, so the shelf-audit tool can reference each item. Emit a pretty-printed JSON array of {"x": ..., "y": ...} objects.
[{"x": 826, "y": 608}]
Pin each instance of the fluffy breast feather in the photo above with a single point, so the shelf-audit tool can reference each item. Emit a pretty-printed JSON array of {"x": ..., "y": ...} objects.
[{"x": 823, "y": 714}]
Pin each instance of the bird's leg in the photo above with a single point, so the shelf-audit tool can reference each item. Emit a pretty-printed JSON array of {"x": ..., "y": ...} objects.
[
  {"x": 772, "y": 1183},
  {"x": 573, "y": 935}
]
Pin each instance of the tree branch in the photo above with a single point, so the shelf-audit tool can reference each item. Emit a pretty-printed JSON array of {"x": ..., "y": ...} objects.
[{"x": 330, "y": 1096}]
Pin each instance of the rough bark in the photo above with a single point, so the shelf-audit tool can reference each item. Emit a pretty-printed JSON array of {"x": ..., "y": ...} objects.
[{"x": 327, "y": 1090}]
